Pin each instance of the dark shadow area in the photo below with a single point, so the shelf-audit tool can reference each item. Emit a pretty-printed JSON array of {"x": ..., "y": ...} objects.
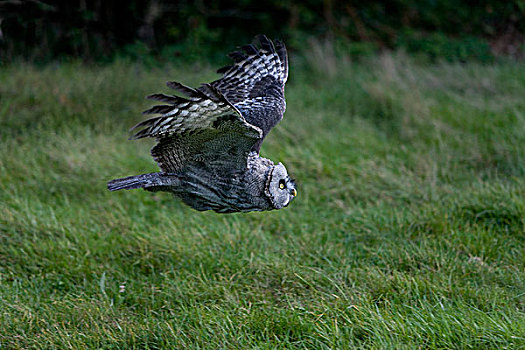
[{"x": 43, "y": 30}]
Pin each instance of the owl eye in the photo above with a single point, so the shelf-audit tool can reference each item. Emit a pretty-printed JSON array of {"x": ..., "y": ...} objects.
[{"x": 281, "y": 184}]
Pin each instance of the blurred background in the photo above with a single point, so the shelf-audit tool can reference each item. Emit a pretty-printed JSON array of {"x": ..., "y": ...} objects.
[
  {"x": 405, "y": 132},
  {"x": 96, "y": 30}
]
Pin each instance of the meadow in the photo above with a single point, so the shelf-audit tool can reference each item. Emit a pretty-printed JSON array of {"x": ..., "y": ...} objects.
[{"x": 408, "y": 231}]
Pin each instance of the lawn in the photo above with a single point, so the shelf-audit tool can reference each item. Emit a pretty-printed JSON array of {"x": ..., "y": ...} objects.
[{"x": 408, "y": 231}]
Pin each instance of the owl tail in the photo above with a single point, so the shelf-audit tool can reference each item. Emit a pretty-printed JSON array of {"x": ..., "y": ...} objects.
[{"x": 150, "y": 182}]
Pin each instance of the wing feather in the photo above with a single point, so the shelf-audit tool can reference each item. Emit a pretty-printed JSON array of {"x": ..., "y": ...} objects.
[
  {"x": 254, "y": 84},
  {"x": 224, "y": 120},
  {"x": 237, "y": 56},
  {"x": 165, "y": 98},
  {"x": 203, "y": 125},
  {"x": 251, "y": 65},
  {"x": 159, "y": 109}
]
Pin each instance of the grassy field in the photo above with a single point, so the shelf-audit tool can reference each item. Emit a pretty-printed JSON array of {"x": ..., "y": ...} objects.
[{"x": 408, "y": 231}]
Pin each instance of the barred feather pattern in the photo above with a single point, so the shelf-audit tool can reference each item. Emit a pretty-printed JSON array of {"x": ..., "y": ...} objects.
[
  {"x": 254, "y": 84},
  {"x": 199, "y": 111},
  {"x": 208, "y": 139},
  {"x": 251, "y": 66}
]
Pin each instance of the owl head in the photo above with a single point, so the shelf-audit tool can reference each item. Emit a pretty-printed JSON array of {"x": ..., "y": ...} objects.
[{"x": 280, "y": 188}]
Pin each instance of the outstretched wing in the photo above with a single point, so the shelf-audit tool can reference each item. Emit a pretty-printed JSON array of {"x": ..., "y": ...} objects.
[
  {"x": 203, "y": 127},
  {"x": 254, "y": 84}
]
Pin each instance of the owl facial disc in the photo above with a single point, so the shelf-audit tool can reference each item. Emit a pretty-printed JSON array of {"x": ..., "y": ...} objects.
[{"x": 280, "y": 188}]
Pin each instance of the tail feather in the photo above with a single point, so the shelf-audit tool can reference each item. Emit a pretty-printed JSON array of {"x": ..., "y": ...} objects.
[{"x": 146, "y": 181}]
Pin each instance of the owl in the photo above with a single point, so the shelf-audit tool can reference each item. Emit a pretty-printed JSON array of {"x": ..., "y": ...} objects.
[{"x": 208, "y": 141}]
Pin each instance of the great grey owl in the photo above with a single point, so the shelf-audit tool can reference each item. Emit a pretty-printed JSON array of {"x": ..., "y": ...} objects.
[{"x": 208, "y": 142}]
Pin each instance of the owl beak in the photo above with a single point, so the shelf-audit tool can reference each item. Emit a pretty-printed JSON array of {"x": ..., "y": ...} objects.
[{"x": 294, "y": 192}]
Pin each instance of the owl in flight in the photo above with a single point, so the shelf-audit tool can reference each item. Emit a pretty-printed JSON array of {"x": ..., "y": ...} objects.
[{"x": 208, "y": 142}]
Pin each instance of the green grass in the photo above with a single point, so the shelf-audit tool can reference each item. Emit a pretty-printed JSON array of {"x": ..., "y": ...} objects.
[{"x": 408, "y": 231}]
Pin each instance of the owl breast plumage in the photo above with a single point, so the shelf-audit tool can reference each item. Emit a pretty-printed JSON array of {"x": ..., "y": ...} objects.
[{"x": 208, "y": 142}]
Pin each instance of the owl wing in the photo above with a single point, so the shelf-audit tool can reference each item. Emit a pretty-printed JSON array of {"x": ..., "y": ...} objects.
[
  {"x": 202, "y": 128},
  {"x": 254, "y": 84}
]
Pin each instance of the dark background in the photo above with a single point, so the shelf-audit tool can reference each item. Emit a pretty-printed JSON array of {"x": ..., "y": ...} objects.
[{"x": 97, "y": 30}]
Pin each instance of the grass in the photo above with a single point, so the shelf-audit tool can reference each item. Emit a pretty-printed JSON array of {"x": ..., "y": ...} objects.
[{"x": 408, "y": 231}]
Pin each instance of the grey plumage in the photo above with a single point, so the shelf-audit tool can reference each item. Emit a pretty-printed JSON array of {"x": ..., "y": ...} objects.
[{"x": 209, "y": 141}]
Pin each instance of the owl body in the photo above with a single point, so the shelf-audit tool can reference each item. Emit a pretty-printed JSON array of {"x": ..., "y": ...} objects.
[
  {"x": 261, "y": 186},
  {"x": 209, "y": 141},
  {"x": 203, "y": 188}
]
